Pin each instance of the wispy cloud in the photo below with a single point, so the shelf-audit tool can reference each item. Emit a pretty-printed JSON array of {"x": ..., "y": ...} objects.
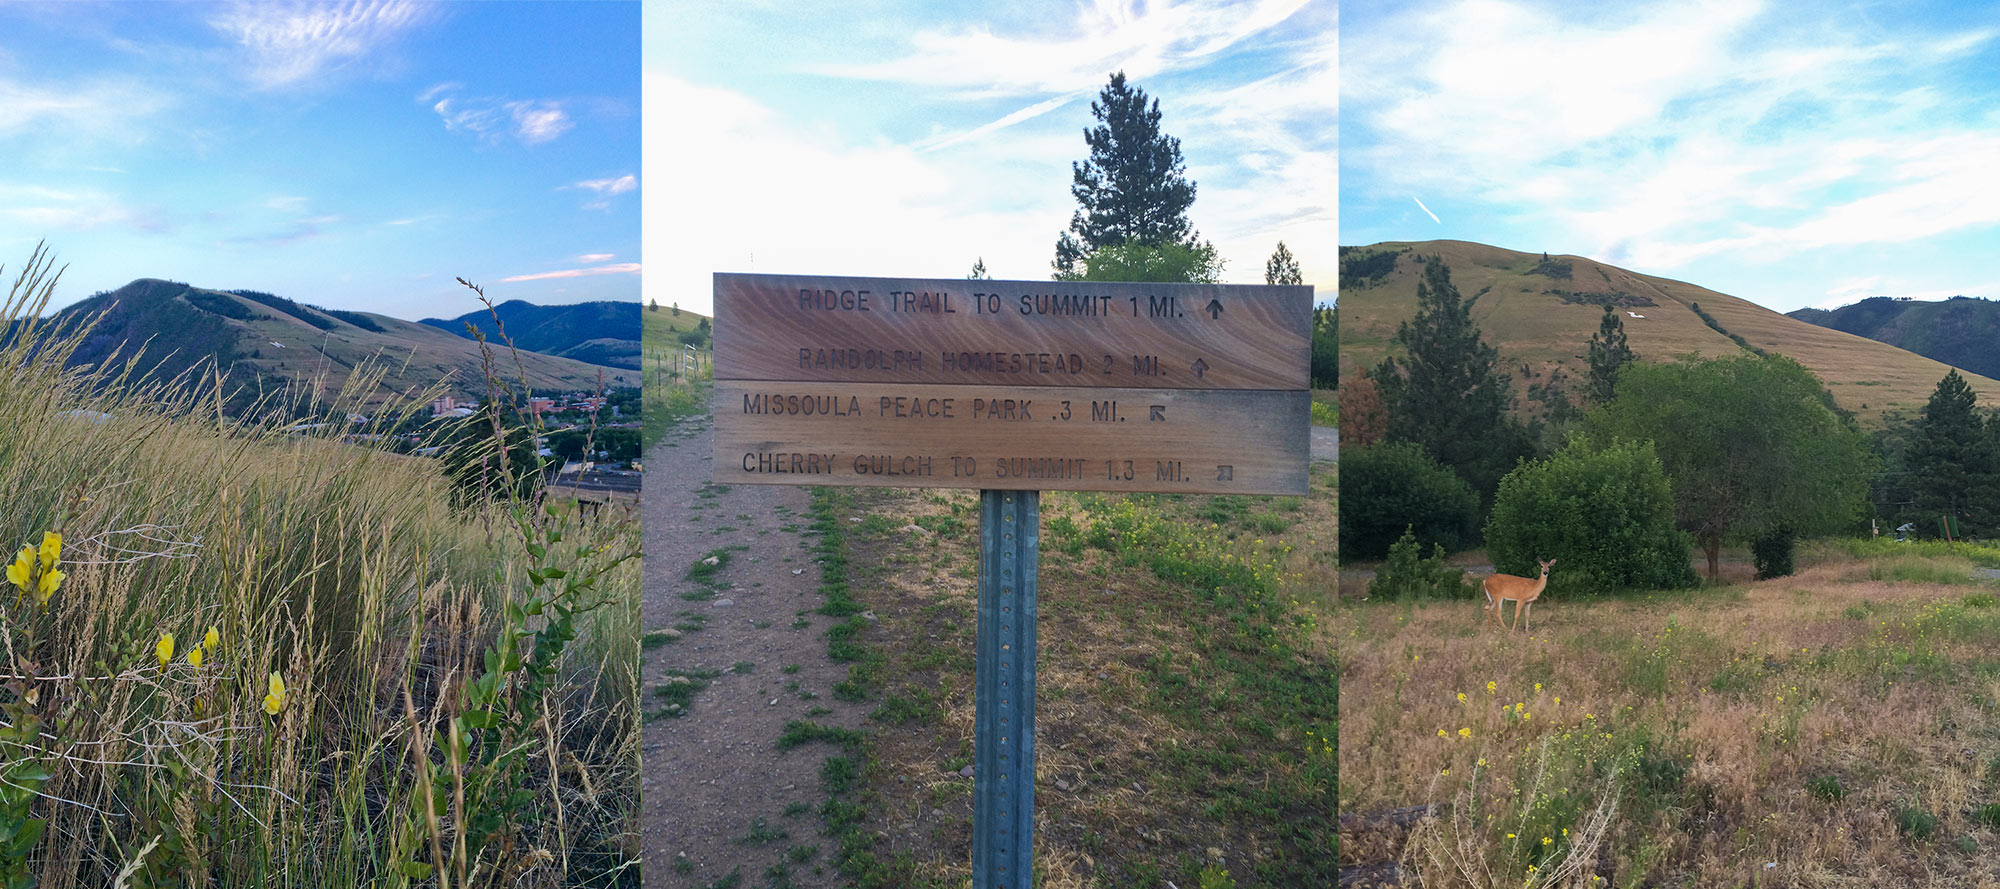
[
  {"x": 531, "y": 121},
  {"x": 1661, "y": 135},
  {"x": 41, "y": 208},
  {"x": 623, "y": 268},
  {"x": 294, "y": 42},
  {"x": 95, "y": 108},
  {"x": 605, "y": 189},
  {"x": 595, "y": 257}
]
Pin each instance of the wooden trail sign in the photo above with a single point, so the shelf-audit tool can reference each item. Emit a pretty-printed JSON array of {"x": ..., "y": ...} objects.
[
  {"x": 1011, "y": 387},
  {"x": 1018, "y": 385}
]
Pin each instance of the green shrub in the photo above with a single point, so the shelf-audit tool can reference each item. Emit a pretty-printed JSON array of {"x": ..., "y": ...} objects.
[
  {"x": 1826, "y": 787},
  {"x": 1606, "y": 516},
  {"x": 1406, "y": 576},
  {"x": 1771, "y": 551},
  {"x": 1387, "y": 488},
  {"x": 1916, "y": 822}
]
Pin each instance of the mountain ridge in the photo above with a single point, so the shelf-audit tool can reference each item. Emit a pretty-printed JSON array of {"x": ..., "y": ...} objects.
[
  {"x": 265, "y": 342},
  {"x": 587, "y": 331},
  {"x": 1541, "y": 310}
]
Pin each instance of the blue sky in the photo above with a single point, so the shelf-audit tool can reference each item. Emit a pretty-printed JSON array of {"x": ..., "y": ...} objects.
[
  {"x": 355, "y": 155},
  {"x": 909, "y": 138},
  {"x": 1793, "y": 154}
]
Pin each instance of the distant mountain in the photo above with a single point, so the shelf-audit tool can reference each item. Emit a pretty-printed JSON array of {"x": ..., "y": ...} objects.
[
  {"x": 1541, "y": 311},
  {"x": 1962, "y": 331},
  {"x": 598, "y": 332},
  {"x": 267, "y": 343}
]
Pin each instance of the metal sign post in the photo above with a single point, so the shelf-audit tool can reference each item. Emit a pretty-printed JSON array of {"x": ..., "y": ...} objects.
[{"x": 1003, "y": 732}]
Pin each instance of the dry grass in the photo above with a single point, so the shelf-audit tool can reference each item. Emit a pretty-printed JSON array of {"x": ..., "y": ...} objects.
[
  {"x": 1706, "y": 718},
  {"x": 339, "y": 567}
]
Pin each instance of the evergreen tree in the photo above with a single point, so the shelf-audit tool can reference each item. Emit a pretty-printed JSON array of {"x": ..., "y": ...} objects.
[
  {"x": 1446, "y": 396},
  {"x": 652, "y": 305},
  {"x": 979, "y": 271},
  {"x": 1954, "y": 464},
  {"x": 1282, "y": 268},
  {"x": 1325, "y": 371},
  {"x": 1134, "y": 187},
  {"x": 1608, "y": 355}
]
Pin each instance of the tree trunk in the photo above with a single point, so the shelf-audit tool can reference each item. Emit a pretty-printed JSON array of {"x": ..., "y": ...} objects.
[{"x": 1713, "y": 547}]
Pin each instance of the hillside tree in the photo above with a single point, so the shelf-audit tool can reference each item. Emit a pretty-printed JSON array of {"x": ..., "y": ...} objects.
[
  {"x": 1953, "y": 460},
  {"x": 1749, "y": 445},
  {"x": 1133, "y": 188},
  {"x": 1608, "y": 355},
  {"x": 1446, "y": 395},
  {"x": 1281, "y": 268}
]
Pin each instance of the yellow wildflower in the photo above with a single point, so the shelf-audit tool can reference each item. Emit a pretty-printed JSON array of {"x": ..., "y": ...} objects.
[
  {"x": 1546, "y": 841},
  {"x": 24, "y": 565},
  {"x": 51, "y": 549},
  {"x": 1461, "y": 697},
  {"x": 275, "y": 701},
  {"x": 1465, "y": 733},
  {"x": 1490, "y": 687},
  {"x": 194, "y": 656},
  {"x": 45, "y": 589},
  {"x": 212, "y": 640},
  {"x": 1441, "y": 733},
  {"x": 164, "y": 649}
]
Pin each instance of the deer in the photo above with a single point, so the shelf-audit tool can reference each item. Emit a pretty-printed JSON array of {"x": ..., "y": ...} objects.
[{"x": 1523, "y": 591}]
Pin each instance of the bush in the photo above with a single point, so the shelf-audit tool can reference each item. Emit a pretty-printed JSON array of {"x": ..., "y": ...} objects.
[
  {"x": 1388, "y": 488},
  {"x": 1607, "y": 516},
  {"x": 1407, "y": 577},
  {"x": 1771, "y": 550}
]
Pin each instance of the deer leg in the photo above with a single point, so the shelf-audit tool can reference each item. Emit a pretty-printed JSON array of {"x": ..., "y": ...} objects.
[{"x": 1529, "y": 627}]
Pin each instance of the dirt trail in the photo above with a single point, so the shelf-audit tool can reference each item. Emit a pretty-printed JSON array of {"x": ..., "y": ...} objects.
[{"x": 709, "y": 775}]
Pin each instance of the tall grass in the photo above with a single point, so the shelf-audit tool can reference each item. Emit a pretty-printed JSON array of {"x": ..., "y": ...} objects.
[{"x": 342, "y": 569}]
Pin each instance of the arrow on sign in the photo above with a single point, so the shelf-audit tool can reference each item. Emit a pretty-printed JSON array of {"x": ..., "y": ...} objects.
[
  {"x": 1214, "y": 309},
  {"x": 1159, "y": 412},
  {"x": 1200, "y": 367}
]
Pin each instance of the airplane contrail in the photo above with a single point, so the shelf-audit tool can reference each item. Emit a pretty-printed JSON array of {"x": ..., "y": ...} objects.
[{"x": 1427, "y": 210}]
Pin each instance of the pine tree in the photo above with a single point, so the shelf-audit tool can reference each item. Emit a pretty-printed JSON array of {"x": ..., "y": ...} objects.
[
  {"x": 1953, "y": 461},
  {"x": 1134, "y": 187},
  {"x": 1282, "y": 268},
  {"x": 979, "y": 271},
  {"x": 1608, "y": 355},
  {"x": 1446, "y": 396}
]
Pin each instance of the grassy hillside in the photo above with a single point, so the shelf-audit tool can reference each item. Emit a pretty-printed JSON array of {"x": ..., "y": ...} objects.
[
  {"x": 1959, "y": 331},
  {"x": 203, "y": 560},
  {"x": 267, "y": 343},
  {"x": 604, "y": 332},
  {"x": 672, "y": 390},
  {"x": 1542, "y": 313}
]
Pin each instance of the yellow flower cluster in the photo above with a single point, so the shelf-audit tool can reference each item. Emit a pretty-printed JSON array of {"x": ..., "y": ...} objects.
[{"x": 35, "y": 571}]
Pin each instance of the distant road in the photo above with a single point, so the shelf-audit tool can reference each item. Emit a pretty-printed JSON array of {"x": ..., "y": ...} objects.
[{"x": 1326, "y": 443}]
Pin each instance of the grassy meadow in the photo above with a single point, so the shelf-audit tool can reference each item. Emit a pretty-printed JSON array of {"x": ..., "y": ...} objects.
[
  {"x": 671, "y": 392},
  {"x": 1839, "y": 727},
  {"x": 1185, "y": 688},
  {"x": 251, "y": 658}
]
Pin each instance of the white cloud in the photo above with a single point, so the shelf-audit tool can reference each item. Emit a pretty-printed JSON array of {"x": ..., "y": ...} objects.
[
  {"x": 595, "y": 257},
  {"x": 95, "y": 108},
  {"x": 1660, "y": 135},
  {"x": 623, "y": 268},
  {"x": 619, "y": 185},
  {"x": 531, "y": 121},
  {"x": 295, "y": 42},
  {"x": 540, "y": 121}
]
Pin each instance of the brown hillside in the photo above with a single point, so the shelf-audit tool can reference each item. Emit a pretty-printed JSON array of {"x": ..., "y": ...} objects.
[{"x": 1542, "y": 323}]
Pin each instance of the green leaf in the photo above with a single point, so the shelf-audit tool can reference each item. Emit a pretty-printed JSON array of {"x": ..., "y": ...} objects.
[
  {"x": 480, "y": 719},
  {"x": 416, "y": 870}
]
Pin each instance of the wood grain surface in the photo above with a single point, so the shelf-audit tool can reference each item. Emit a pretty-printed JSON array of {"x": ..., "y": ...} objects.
[
  {"x": 1188, "y": 441},
  {"x": 1013, "y": 333}
]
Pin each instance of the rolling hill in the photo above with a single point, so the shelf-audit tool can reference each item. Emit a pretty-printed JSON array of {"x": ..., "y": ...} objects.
[
  {"x": 1542, "y": 310},
  {"x": 268, "y": 343},
  {"x": 596, "y": 332},
  {"x": 1960, "y": 331}
]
